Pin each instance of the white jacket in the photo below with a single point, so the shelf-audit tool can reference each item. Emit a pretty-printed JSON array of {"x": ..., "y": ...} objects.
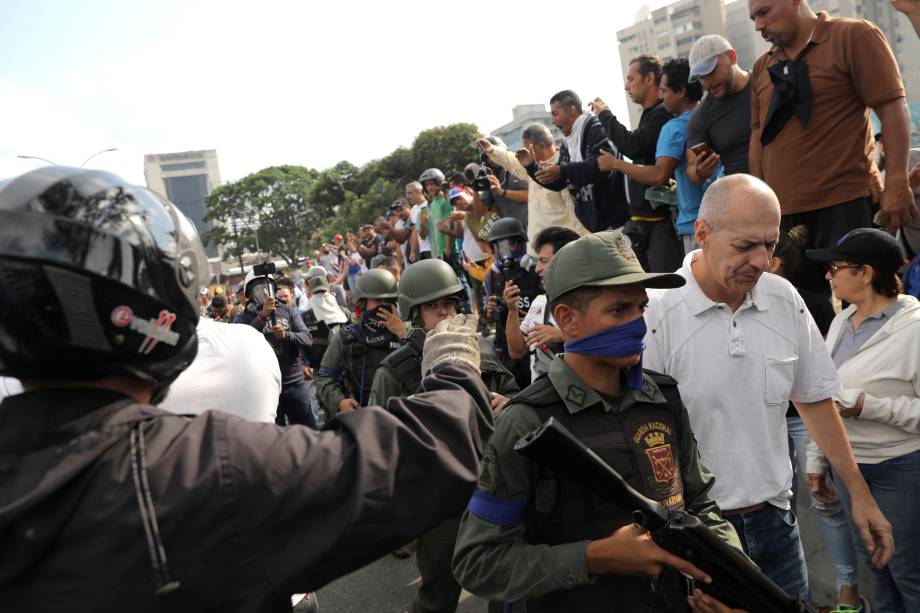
[
  {"x": 545, "y": 207},
  {"x": 887, "y": 370}
]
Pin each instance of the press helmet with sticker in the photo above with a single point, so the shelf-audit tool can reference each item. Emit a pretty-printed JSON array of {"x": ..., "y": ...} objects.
[{"x": 98, "y": 277}]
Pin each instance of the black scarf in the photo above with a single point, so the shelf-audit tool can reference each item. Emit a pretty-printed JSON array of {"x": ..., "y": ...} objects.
[
  {"x": 373, "y": 332},
  {"x": 791, "y": 96}
]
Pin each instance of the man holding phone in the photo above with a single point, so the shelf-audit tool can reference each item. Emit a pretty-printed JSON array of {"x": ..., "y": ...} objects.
[{"x": 720, "y": 129}]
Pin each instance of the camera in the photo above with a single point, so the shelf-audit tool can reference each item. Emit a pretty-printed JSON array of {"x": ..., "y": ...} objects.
[{"x": 264, "y": 269}]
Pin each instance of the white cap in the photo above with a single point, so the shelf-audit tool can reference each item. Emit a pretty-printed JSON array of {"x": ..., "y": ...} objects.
[{"x": 704, "y": 54}]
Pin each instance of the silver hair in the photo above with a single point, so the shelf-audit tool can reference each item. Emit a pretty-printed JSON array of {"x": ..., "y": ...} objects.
[
  {"x": 714, "y": 206},
  {"x": 415, "y": 185},
  {"x": 537, "y": 134}
]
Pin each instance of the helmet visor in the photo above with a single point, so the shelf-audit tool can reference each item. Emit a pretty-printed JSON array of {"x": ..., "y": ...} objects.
[{"x": 260, "y": 291}]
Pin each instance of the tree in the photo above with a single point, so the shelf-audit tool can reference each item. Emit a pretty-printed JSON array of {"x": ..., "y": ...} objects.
[
  {"x": 449, "y": 148},
  {"x": 269, "y": 211}
]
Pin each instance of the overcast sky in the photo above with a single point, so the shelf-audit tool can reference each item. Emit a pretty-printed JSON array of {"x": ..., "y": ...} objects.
[{"x": 297, "y": 82}]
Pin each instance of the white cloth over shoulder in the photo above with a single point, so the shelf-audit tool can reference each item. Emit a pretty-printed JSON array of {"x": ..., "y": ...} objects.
[{"x": 235, "y": 371}]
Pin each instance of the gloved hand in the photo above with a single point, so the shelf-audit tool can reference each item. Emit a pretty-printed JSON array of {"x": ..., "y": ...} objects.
[{"x": 453, "y": 340}]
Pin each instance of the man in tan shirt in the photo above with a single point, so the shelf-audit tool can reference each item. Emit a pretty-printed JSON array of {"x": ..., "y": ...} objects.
[{"x": 815, "y": 146}]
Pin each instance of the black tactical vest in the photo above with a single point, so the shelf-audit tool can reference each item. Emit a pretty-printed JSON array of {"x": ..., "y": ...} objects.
[
  {"x": 320, "y": 333},
  {"x": 362, "y": 360},
  {"x": 641, "y": 443},
  {"x": 406, "y": 364}
]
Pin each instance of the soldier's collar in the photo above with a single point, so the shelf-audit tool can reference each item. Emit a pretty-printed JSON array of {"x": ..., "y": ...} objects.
[{"x": 577, "y": 395}]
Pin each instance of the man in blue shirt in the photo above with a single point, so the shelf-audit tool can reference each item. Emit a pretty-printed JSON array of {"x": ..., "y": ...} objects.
[{"x": 680, "y": 98}]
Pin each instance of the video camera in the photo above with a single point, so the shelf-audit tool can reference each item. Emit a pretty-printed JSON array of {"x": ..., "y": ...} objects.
[
  {"x": 477, "y": 176},
  {"x": 264, "y": 269}
]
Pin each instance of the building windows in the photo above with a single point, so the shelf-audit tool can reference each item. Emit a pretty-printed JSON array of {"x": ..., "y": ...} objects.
[
  {"x": 686, "y": 40},
  {"x": 181, "y": 166},
  {"x": 690, "y": 11}
]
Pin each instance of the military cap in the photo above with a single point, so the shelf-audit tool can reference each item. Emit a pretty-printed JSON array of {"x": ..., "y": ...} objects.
[{"x": 599, "y": 260}]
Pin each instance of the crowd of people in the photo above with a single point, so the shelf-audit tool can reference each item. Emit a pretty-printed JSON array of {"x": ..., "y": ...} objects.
[{"x": 719, "y": 303}]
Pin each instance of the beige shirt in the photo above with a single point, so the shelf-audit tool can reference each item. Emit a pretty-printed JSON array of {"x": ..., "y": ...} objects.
[{"x": 545, "y": 208}]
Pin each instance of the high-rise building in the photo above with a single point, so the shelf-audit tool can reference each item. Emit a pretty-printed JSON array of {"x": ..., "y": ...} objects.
[
  {"x": 185, "y": 179},
  {"x": 522, "y": 116},
  {"x": 748, "y": 43}
]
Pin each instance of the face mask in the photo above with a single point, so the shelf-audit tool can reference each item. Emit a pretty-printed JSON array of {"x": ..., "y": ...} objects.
[
  {"x": 507, "y": 256},
  {"x": 615, "y": 342},
  {"x": 260, "y": 293}
]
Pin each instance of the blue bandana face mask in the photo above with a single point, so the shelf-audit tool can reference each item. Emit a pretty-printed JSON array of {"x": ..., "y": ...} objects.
[{"x": 615, "y": 342}]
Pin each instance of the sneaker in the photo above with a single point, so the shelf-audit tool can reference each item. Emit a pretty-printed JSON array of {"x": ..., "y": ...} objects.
[{"x": 846, "y": 608}]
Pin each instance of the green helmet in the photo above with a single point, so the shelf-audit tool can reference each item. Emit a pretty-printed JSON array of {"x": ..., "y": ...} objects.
[
  {"x": 425, "y": 282},
  {"x": 376, "y": 283}
]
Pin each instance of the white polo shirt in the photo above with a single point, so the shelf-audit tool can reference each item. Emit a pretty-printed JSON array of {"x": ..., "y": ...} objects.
[{"x": 736, "y": 373}]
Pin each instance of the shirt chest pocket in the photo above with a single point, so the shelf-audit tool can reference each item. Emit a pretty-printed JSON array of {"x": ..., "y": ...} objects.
[{"x": 779, "y": 375}]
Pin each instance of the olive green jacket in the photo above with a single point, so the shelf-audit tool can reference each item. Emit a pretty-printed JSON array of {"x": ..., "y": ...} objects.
[
  {"x": 329, "y": 389},
  {"x": 388, "y": 385},
  {"x": 496, "y": 562}
]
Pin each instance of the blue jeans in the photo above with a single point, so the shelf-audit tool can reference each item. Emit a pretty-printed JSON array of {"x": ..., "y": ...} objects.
[
  {"x": 294, "y": 405},
  {"x": 837, "y": 533},
  {"x": 895, "y": 485},
  {"x": 770, "y": 537}
]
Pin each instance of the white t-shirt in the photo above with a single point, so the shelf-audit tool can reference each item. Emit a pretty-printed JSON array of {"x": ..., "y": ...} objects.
[
  {"x": 235, "y": 371},
  {"x": 406, "y": 246},
  {"x": 424, "y": 244},
  {"x": 736, "y": 373},
  {"x": 540, "y": 357},
  {"x": 470, "y": 247},
  {"x": 330, "y": 262}
]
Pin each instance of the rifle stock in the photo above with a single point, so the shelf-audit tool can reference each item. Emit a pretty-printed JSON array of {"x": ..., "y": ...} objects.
[{"x": 736, "y": 580}]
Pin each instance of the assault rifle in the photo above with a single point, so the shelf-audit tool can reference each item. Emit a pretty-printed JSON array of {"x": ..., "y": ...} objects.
[{"x": 736, "y": 581}]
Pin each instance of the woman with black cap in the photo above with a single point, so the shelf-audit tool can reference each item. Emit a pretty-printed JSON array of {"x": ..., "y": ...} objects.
[{"x": 875, "y": 343}]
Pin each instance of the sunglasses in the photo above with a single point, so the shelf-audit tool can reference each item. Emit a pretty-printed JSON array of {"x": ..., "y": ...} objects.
[{"x": 834, "y": 268}]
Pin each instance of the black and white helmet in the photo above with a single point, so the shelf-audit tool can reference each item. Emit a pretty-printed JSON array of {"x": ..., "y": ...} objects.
[{"x": 97, "y": 277}]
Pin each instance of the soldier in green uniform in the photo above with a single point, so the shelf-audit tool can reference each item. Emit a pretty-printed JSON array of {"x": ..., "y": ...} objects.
[
  {"x": 529, "y": 535},
  {"x": 356, "y": 351},
  {"x": 428, "y": 293}
]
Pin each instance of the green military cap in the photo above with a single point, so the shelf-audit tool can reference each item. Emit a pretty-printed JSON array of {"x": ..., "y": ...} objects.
[{"x": 600, "y": 259}]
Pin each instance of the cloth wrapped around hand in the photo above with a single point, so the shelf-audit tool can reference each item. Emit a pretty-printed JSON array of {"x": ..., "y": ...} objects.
[{"x": 453, "y": 341}]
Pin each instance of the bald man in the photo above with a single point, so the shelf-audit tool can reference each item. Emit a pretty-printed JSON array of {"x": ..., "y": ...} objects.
[{"x": 741, "y": 345}]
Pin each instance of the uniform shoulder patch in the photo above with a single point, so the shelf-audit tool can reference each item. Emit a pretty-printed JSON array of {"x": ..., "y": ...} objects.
[{"x": 490, "y": 476}]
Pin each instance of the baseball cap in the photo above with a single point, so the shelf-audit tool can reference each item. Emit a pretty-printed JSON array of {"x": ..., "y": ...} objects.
[
  {"x": 455, "y": 192},
  {"x": 704, "y": 54},
  {"x": 876, "y": 248},
  {"x": 600, "y": 260},
  {"x": 399, "y": 203}
]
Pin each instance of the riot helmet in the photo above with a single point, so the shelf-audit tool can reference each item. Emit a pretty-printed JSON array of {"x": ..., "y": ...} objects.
[
  {"x": 259, "y": 288},
  {"x": 427, "y": 281},
  {"x": 97, "y": 278},
  {"x": 509, "y": 243},
  {"x": 376, "y": 283}
]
